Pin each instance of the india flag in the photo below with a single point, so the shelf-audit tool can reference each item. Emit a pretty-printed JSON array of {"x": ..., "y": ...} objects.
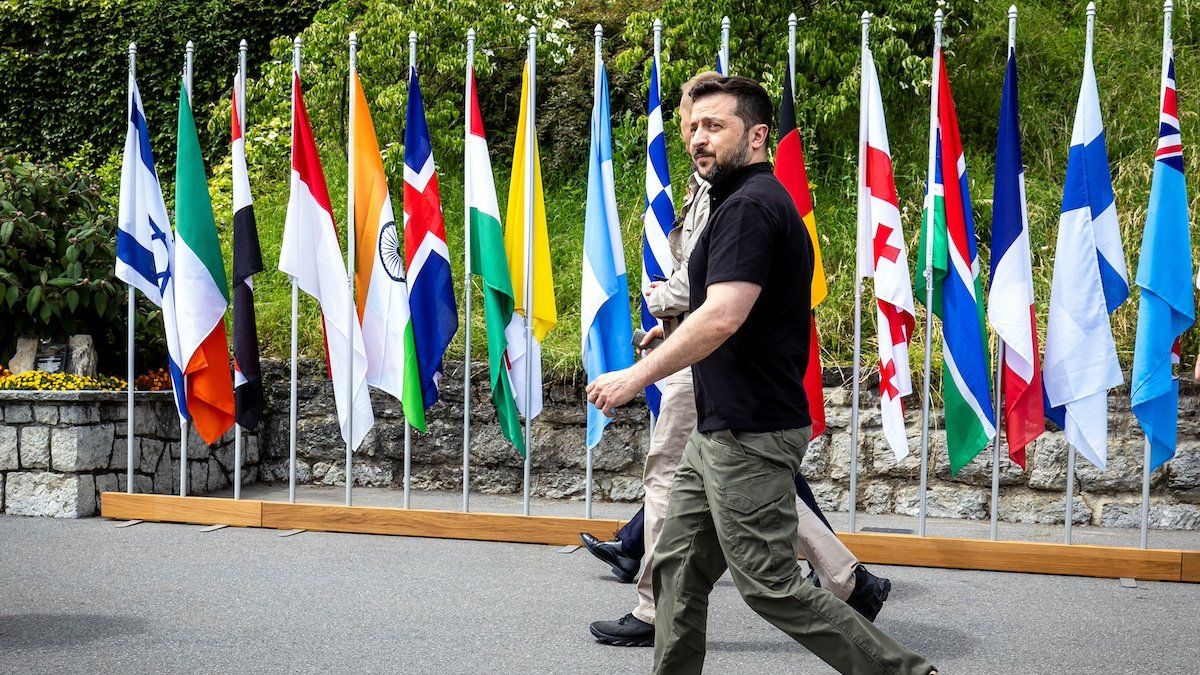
[
  {"x": 545, "y": 314},
  {"x": 381, "y": 288},
  {"x": 201, "y": 289}
]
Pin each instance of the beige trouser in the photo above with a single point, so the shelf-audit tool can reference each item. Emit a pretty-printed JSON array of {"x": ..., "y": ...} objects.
[{"x": 831, "y": 559}]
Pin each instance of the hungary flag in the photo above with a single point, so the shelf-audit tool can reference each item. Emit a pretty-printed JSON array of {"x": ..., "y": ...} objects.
[
  {"x": 489, "y": 262},
  {"x": 202, "y": 291}
]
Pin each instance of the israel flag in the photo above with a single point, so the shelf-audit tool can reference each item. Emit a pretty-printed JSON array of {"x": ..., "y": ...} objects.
[
  {"x": 657, "y": 261},
  {"x": 145, "y": 249},
  {"x": 607, "y": 331},
  {"x": 1089, "y": 283}
]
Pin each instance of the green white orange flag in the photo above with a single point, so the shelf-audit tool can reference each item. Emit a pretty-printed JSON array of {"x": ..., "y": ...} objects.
[
  {"x": 488, "y": 261},
  {"x": 201, "y": 289},
  {"x": 381, "y": 288}
]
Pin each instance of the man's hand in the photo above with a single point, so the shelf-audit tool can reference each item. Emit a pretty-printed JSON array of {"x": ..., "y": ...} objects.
[
  {"x": 614, "y": 389},
  {"x": 653, "y": 285},
  {"x": 655, "y": 333}
]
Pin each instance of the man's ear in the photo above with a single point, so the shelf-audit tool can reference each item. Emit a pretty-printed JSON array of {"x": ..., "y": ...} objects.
[{"x": 758, "y": 136}]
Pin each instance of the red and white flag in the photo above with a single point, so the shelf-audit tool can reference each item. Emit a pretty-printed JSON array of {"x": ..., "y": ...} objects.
[
  {"x": 882, "y": 255},
  {"x": 312, "y": 256}
]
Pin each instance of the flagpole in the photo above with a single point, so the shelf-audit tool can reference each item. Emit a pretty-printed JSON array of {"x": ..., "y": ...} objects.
[
  {"x": 858, "y": 285},
  {"x": 132, "y": 309},
  {"x": 599, "y": 37},
  {"x": 240, "y": 92},
  {"x": 530, "y": 135},
  {"x": 412, "y": 64},
  {"x": 467, "y": 289},
  {"x": 188, "y": 54},
  {"x": 351, "y": 235},
  {"x": 929, "y": 200},
  {"x": 724, "y": 46},
  {"x": 1168, "y": 11},
  {"x": 295, "y": 322}
]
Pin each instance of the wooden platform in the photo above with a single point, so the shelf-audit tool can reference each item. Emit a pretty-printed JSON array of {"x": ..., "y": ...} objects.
[{"x": 885, "y": 549}]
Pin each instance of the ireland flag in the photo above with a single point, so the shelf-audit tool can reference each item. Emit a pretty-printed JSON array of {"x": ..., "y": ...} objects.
[
  {"x": 201, "y": 289},
  {"x": 957, "y": 287},
  {"x": 489, "y": 262}
]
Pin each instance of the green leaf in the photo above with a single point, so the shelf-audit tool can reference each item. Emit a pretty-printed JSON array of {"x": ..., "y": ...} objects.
[
  {"x": 62, "y": 282},
  {"x": 11, "y": 296},
  {"x": 101, "y": 304},
  {"x": 72, "y": 300},
  {"x": 35, "y": 296},
  {"x": 6, "y": 231},
  {"x": 45, "y": 313}
]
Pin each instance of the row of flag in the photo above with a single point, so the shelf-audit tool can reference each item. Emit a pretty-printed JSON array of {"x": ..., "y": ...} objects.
[{"x": 1090, "y": 281}]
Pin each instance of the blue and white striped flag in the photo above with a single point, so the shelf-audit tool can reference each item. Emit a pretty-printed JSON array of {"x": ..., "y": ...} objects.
[
  {"x": 1167, "y": 306},
  {"x": 607, "y": 331},
  {"x": 145, "y": 246},
  {"x": 657, "y": 261},
  {"x": 1090, "y": 282}
]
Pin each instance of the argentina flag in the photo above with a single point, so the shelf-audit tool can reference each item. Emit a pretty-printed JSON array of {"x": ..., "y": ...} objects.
[
  {"x": 145, "y": 251},
  {"x": 657, "y": 261}
]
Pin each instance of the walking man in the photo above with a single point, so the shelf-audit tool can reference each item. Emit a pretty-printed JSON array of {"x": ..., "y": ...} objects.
[{"x": 731, "y": 503}]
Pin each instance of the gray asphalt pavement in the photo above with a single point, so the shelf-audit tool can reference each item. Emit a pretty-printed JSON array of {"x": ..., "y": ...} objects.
[{"x": 84, "y": 596}]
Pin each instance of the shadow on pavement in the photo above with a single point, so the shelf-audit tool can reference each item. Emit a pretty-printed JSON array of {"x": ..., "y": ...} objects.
[{"x": 38, "y": 631}]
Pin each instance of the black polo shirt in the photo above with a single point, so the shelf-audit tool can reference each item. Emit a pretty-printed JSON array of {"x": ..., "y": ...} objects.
[{"x": 755, "y": 380}]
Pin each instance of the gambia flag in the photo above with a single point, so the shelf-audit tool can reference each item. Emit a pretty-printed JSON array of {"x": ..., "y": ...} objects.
[
  {"x": 489, "y": 262},
  {"x": 247, "y": 261},
  {"x": 957, "y": 286},
  {"x": 789, "y": 169},
  {"x": 201, "y": 289}
]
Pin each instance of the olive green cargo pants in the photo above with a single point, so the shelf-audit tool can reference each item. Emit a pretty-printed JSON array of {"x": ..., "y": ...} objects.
[{"x": 732, "y": 507}]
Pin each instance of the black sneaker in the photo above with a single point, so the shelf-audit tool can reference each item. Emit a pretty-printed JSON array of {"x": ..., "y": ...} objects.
[
  {"x": 870, "y": 592},
  {"x": 628, "y": 631},
  {"x": 623, "y": 567}
]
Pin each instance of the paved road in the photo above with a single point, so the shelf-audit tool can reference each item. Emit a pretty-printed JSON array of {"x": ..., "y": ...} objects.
[{"x": 82, "y": 596}]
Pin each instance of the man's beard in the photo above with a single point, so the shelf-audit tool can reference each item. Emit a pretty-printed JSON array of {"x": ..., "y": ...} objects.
[{"x": 722, "y": 170}]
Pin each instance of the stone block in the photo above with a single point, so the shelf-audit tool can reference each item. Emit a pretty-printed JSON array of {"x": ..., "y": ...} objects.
[
  {"x": 1162, "y": 516},
  {"x": 45, "y": 414},
  {"x": 831, "y": 496},
  {"x": 616, "y": 488},
  {"x": 979, "y": 470},
  {"x": 883, "y": 458},
  {"x": 17, "y": 413},
  {"x": 81, "y": 414},
  {"x": 945, "y": 501},
  {"x": 1, "y": 493},
  {"x": 9, "y": 455},
  {"x": 1184, "y": 468},
  {"x": 273, "y": 471},
  {"x": 1122, "y": 472},
  {"x": 197, "y": 477},
  {"x": 816, "y": 458},
  {"x": 1042, "y": 508},
  {"x": 145, "y": 421},
  {"x": 877, "y": 497},
  {"x": 216, "y": 477},
  {"x": 1047, "y": 461},
  {"x": 81, "y": 355},
  {"x": 50, "y": 494},
  {"x": 150, "y": 450},
  {"x": 81, "y": 448},
  {"x": 839, "y": 458},
  {"x": 332, "y": 473},
  {"x": 35, "y": 447},
  {"x": 107, "y": 482},
  {"x": 166, "y": 476},
  {"x": 374, "y": 474},
  {"x": 25, "y": 356}
]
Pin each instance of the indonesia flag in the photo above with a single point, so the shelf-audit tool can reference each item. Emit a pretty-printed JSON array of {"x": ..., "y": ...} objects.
[
  {"x": 1010, "y": 294},
  {"x": 882, "y": 255},
  {"x": 789, "y": 169},
  {"x": 247, "y": 261},
  {"x": 312, "y": 256},
  {"x": 430, "y": 287}
]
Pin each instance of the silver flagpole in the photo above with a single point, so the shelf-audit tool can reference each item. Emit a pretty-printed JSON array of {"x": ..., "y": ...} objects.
[
  {"x": 929, "y": 200},
  {"x": 412, "y": 64},
  {"x": 997, "y": 388},
  {"x": 240, "y": 89},
  {"x": 132, "y": 309},
  {"x": 724, "y": 46},
  {"x": 351, "y": 232},
  {"x": 1168, "y": 10},
  {"x": 467, "y": 286},
  {"x": 598, "y": 33},
  {"x": 1069, "y": 502},
  {"x": 188, "y": 54},
  {"x": 530, "y": 136},
  {"x": 855, "y": 378},
  {"x": 295, "y": 332}
]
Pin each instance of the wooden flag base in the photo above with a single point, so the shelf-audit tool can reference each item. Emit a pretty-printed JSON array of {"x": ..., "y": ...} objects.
[{"x": 1111, "y": 562}]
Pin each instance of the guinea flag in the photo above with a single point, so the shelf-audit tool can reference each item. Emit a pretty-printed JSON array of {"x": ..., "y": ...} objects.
[
  {"x": 201, "y": 289},
  {"x": 789, "y": 169}
]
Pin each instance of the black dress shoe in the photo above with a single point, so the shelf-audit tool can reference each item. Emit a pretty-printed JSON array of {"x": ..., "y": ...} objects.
[
  {"x": 870, "y": 592},
  {"x": 628, "y": 631},
  {"x": 623, "y": 567}
]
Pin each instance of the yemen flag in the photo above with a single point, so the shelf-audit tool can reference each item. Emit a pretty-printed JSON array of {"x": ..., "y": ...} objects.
[
  {"x": 789, "y": 169},
  {"x": 958, "y": 289},
  {"x": 201, "y": 289},
  {"x": 382, "y": 292},
  {"x": 247, "y": 261},
  {"x": 488, "y": 261},
  {"x": 520, "y": 212}
]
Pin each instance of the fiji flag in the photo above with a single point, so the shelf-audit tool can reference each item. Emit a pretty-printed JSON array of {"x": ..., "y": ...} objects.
[
  {"x": 657, "y": 260},
  {"x": 1165, "y": 277},
  {"x": 145, "y": 247},
  {"x": 1089, "y": 283},
  {"x": 427, "y": 258},
  {"x": 607, "y": 333}
]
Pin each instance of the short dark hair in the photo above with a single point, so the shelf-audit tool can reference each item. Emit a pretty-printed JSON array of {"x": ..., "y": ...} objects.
[{"x": 753, "y": 103}]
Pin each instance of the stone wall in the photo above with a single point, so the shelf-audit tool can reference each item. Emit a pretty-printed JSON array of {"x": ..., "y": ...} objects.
[
  {"x": 1110, "y": 498},
  {"x": 60, "y": 450}
]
